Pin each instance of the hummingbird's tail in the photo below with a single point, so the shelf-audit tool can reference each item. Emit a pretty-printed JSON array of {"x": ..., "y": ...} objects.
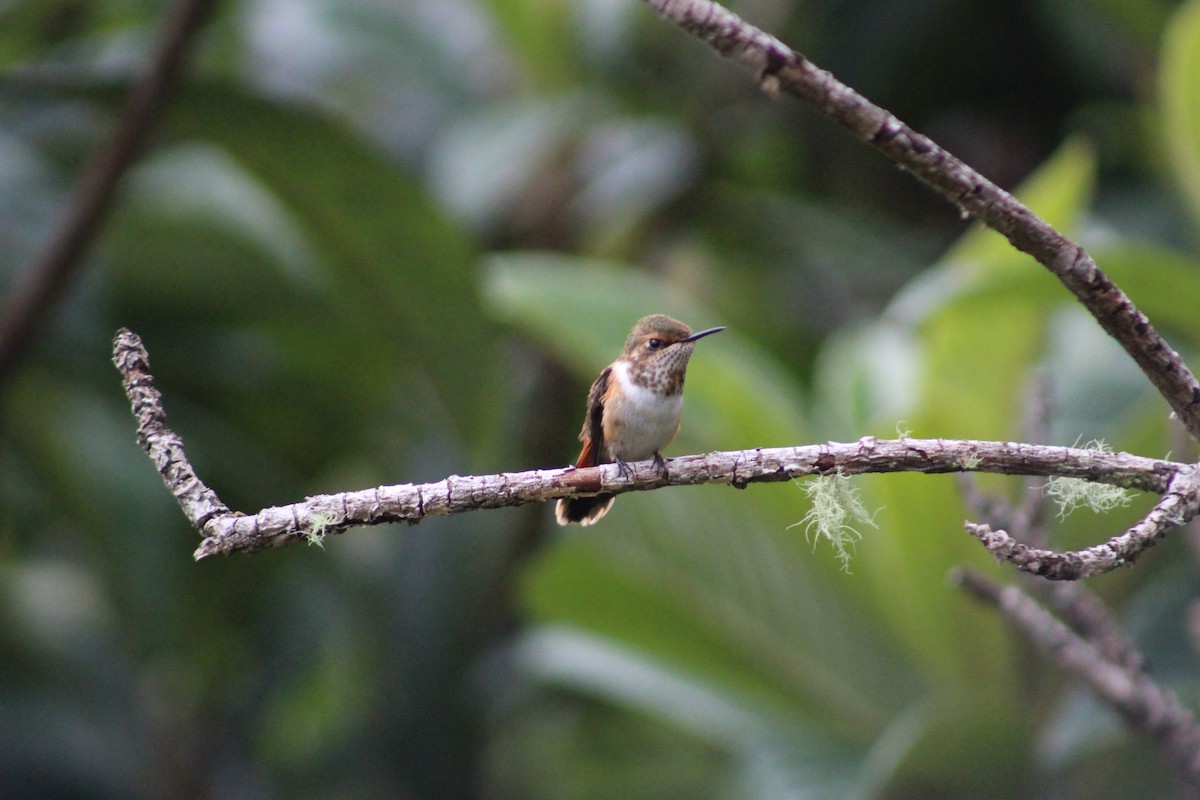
[{"x": 584, "y": 510}]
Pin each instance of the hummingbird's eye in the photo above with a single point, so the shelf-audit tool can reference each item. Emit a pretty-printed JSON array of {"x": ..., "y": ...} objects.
[{"x": 654, "y": 344}]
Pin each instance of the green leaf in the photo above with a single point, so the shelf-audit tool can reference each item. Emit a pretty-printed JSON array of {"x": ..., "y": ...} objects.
[
  {"x": 582, "y": 310},
  {"x": 1179, "y": 97},
  {"x": 669, "y": 578},
  {"x": 1157, "y": 279},
  {"x": 1058, "y": 192},
  {"x": 980, "y": 312},
  {"x": 400, "y": 275},
  {"x": 773, "y": 749}
]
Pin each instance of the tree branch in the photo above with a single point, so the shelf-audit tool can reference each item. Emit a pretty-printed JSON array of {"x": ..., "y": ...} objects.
[
  {"x": 47, "y": 276},
  {"x": 164, "y": 446},
  {"x": 1142, "y": 702},
  {"x": 228, "y": 532},
  {"x": 1178, "y": 505},
  {"x": 779, "y": 68}
]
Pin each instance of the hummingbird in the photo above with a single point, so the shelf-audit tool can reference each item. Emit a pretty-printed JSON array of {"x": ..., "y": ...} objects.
[{"x": 634, "y": 407}]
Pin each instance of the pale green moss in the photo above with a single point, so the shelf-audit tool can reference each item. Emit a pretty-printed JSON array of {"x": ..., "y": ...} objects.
[
  {"x": 1071, "y": 493},
  {"x": 316, "y": 527},
  {"x": 835, "y": 505}
]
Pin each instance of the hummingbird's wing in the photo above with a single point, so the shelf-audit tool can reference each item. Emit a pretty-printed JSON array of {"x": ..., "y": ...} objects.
[{"x": 592, "y": 434}]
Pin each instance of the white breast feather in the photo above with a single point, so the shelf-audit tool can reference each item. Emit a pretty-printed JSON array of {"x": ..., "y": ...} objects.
[{"x": 650, "y": 419}]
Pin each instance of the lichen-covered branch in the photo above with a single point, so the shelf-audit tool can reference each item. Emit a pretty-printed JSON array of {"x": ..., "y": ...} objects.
[
  {"x": 1141, "y": 701},
  {"x": 411, "y": 503},
  {"x": 228, "y": 532},
  {"x": 165, "y": 448},
  {"x": 779, "y": 68},
  {"x": 1178, "y": 505}
]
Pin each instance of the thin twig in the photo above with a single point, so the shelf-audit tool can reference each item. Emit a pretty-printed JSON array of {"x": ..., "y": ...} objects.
[
  {"x": 779, "y": 68},
  {"x": 48, "y": 275},
  {"x": 1144, "y": 704}
]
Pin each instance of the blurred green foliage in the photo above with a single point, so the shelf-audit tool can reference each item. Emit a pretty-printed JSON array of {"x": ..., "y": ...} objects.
[{"x": 381, "y": 242}]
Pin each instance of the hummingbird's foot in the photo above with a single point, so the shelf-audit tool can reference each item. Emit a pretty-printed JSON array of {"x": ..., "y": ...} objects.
[
  {"x": 624, "y": 469},
  {"x": 660, "y": 464}
]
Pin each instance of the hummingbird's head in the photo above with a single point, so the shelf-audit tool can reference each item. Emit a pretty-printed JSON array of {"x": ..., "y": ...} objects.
[{"x": 658, "y": 349}]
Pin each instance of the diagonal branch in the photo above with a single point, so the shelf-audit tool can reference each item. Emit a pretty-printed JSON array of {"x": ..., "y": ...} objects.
[
  {"x": 48, "y": 275},
  {"x": 228, "y": 532},
  {"x": 164, "y": 446},
  {"x": 779, "y": 68},
  {"x": 1087, "y": 615},
  {"x": 1141, "y": 701}
]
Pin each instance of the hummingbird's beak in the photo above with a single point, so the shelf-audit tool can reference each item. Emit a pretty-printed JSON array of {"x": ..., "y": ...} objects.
[{"x": 703, "y": 333}]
